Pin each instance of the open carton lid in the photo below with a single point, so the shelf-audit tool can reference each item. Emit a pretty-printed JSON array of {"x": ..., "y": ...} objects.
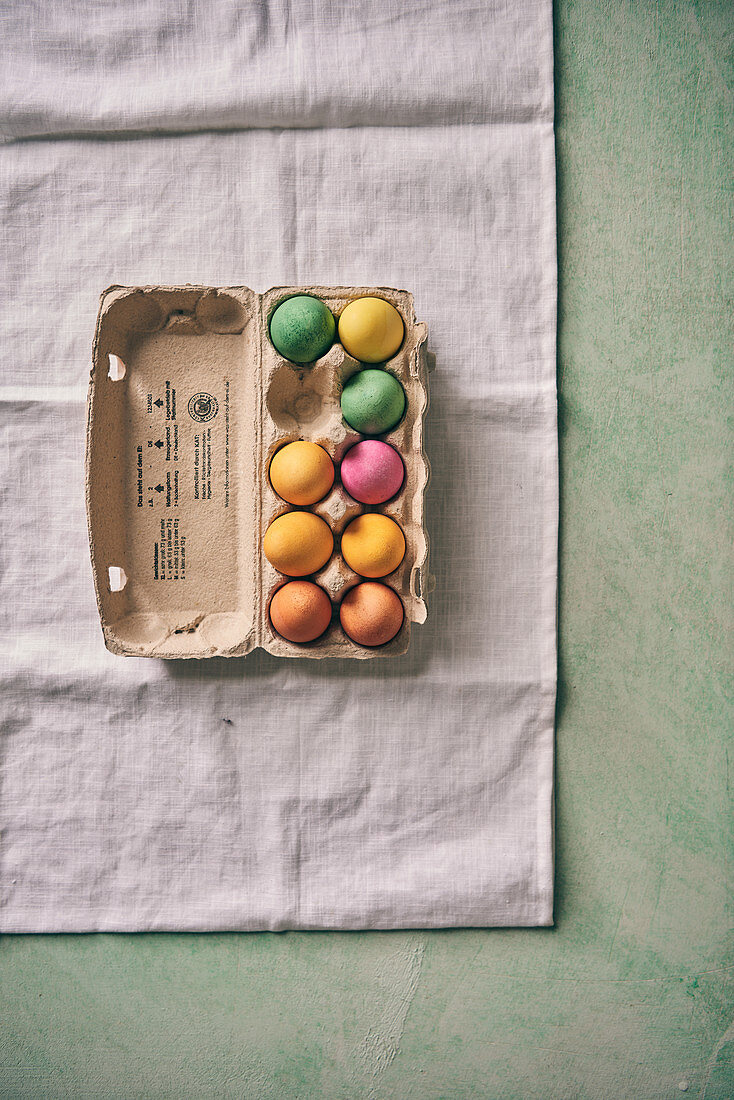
[{"x": 188, "y": 401}]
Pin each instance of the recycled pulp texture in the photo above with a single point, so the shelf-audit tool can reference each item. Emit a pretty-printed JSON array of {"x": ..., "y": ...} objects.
[{"x": 179, "y": 448}]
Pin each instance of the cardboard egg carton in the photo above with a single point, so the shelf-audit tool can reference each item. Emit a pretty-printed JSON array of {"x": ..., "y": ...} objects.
[{"x": 188, "y": 402}]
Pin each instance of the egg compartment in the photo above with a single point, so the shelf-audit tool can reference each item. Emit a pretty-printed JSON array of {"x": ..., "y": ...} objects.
[
  {"x": 336, "y": 579},
  {"x": 188, "y": 401},
  {"x": 321, "y": 384},
  {"x": 337, "y": 509}
]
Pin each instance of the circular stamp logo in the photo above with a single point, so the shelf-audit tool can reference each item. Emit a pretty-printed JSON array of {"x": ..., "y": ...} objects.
[{"x": 203, "y": 407}]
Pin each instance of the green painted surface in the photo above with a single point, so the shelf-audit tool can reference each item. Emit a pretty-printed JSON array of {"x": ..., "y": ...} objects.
[{"x": 627, "y": 997}]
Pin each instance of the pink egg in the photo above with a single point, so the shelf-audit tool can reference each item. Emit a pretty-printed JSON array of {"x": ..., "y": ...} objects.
[{"x": 372, "y": 471}]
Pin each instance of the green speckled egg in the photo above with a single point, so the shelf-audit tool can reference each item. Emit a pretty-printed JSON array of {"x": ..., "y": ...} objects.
[
  {"x": 302, "y": 329},
  {"x": 373, "y": 402}
]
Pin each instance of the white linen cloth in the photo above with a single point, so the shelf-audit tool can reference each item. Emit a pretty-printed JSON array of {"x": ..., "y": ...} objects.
[{"x": 374, "y": 143}]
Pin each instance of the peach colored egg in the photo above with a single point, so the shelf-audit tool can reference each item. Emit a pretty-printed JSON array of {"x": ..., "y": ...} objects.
[
  {"x": 371, "y": 614},
  {"x": 300, "y": 611}
]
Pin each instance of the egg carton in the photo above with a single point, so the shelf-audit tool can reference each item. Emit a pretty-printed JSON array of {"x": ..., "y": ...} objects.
[{"x": 188, "y": 402}]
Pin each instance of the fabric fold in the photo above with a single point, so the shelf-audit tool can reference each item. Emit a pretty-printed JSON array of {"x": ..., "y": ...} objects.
[{"x": 133, "y": 68}]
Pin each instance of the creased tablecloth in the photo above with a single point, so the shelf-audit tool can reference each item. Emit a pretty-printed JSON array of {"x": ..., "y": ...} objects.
[{"x": 373, "y": 143}]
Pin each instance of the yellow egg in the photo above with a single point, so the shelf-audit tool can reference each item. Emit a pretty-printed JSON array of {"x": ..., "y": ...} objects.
[
  {"x": 371, "y": 330},
  {"x": 298, "y": 543},
  {"x": 373, "y": 545},
  {"x": 301, "y": 472}
]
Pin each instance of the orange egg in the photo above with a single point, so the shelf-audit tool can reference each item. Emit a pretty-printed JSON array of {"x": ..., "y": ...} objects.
[
  {"x": 300, "y": 611},
  {"x": 298, "y": 543},
  {"x": 301, "y": 472},
  {"x": 371, "y": 614},
  {"x": 373, "y": 545}
]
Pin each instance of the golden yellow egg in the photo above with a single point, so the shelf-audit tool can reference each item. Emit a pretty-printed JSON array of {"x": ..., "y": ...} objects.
[
  {"x": 298, "y": 543},
  {"x": 371, "y": 330},
  {"x": 301, "y": 472},
  {"x": 373, "y": 545}
]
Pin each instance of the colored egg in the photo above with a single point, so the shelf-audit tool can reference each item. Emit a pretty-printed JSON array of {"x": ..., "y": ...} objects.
[
  {"x": 372, "y": 471},
  {"x": 373, "y": 401},
  {"x": 373, "y": 545},
  {"x": 298, "y": 543},
  {"x": 301, "y": 472},
  {"x": 300, "y": 611},
  {"x": 302, "y": 328},
  {"x": 371, "y": 330},
  {"x": 371, "y": 614}
]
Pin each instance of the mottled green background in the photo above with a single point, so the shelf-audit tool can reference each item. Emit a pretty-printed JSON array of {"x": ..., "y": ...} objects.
[{"x": 627, "y": 997}]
